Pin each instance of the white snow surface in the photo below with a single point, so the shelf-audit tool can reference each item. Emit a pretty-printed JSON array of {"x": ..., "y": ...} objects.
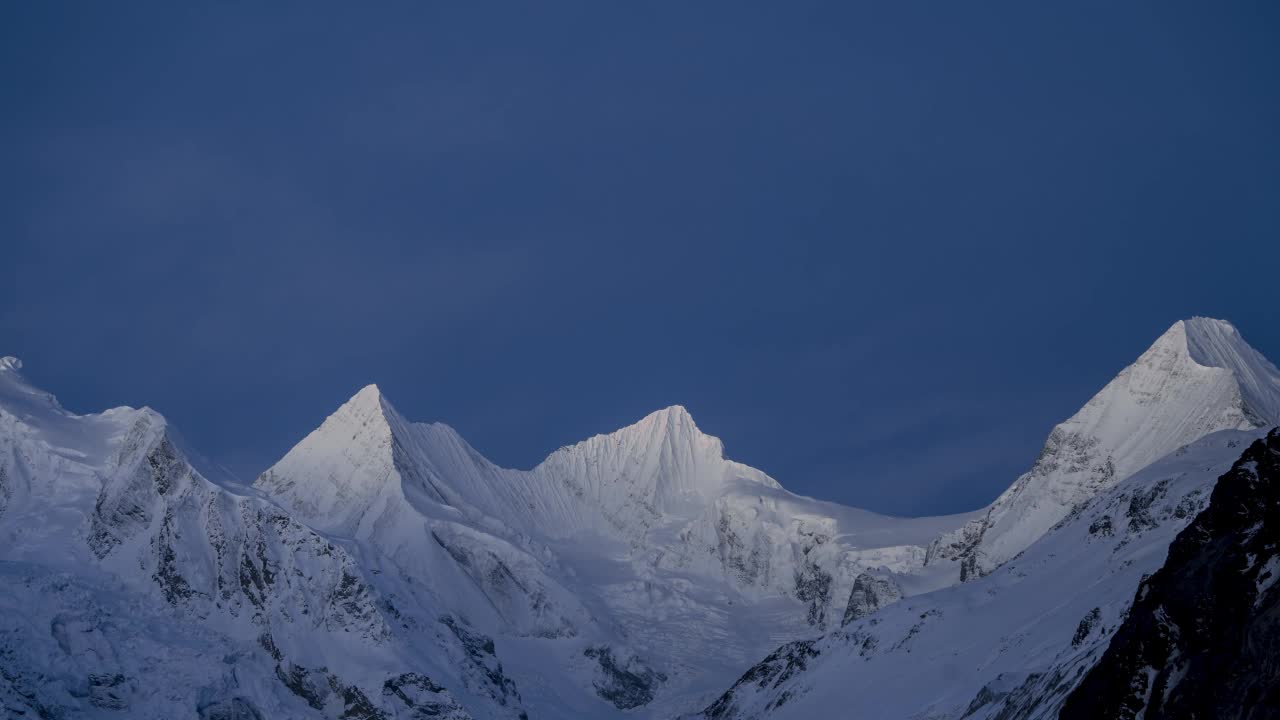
[{"x": 636, "y": 573}]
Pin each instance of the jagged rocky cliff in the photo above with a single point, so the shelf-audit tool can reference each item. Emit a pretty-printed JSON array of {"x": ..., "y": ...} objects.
[{"x": 1202, "y": 639}]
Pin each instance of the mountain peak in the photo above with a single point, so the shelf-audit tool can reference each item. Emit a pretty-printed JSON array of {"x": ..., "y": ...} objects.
[
  {"x": 369, "y": 406},
  {"x": 1200, "y": 376},
  {"x": 335, "y": 473},
  {"x": 1197, "y": 378},
  {"x": 1213, "y": 343},
  {"x": 672, "y": 425},
  {"x": 10, "y": 362},
  {"x": 368, "y": 398},
  {"x": 672, "y": 416}
]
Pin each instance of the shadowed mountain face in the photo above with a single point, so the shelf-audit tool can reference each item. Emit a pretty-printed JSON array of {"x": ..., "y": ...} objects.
[{"x": 1203, "y": 637}]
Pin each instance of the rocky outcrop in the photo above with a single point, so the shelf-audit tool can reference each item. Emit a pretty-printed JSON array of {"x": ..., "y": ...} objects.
[
  {"x": 771, "y": 673},
  {"x": 813, "y": 588},
  {"x": 422, "y": 698},
  {"x": 483, "y": 673},
  {"x": 626, "y": 685},
  {"x": 1202, "y": 639},
  {"x": 869, "y": 594},
  {"x": 235, "y": 708}
]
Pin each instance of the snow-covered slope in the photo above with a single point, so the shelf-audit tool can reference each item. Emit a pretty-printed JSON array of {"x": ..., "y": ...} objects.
[
  {"x": 1011, "y": 644},
  {"x": 1199, "y": 377}
]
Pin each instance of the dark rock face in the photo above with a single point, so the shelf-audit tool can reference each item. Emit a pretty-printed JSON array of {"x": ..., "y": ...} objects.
[
  {"x": 231, "y": 709},
  {"x": 813, "y": 586},
  {"x": 423, "y": 698},
  {"x": 1086, "y": 626},
  {"x": 1202, "y": 639},
  {"x": 5, "y": 491},
  {"x": 1006, "y": 687},
  {"x": 626, "y": 685},
  {"x": 484, "y": 674},
  {"x": 310, "y": 685},
  {"x": 1102, "y": 527},
  {"x": 869, "y": 594},
  {"x": 1139, "y": 512},
  {"x": 321, "y": 688},
  {"x": 109, "y": 691},
  {"x": 773, "y": 671}
]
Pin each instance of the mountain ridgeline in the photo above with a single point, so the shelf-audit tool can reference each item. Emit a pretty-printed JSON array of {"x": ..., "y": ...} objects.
[{"x": 385, "y": 569}]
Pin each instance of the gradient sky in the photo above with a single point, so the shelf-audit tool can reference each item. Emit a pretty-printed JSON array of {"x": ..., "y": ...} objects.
[{"x": 878, "y": 248}]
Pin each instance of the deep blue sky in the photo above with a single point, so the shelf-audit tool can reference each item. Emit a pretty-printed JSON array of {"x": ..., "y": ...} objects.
[{"x": 879, "y": 248}]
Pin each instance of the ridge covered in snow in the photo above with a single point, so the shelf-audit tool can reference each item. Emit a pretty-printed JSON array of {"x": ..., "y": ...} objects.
[{"x": 384, "y": 568}]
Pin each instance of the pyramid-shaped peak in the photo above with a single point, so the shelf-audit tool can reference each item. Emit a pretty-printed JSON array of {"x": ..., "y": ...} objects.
[
  {"x": 369, "y": 403},
  {"x": 672, "y": 422},
  {"x": 1213, "y": 343},
  {"x": 341, "y": 468},
  {"x": 674, "y": 414},
  {"x": 370, "y": 396}
]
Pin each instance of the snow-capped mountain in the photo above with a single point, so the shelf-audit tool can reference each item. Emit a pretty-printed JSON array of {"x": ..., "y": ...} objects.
[
  {"x": 1199, "y": 377},
  {"x": 645, "y": 547},
  {"x": 1051, "y": 567},
  {"x": 137, "y": 588},
  {"x": 385, "y": 569}
]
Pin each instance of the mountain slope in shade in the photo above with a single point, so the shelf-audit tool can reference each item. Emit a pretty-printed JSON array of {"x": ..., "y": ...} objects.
[
  {"x": 1198, "y": 378},
  {"x": 1202, "y": 639}
]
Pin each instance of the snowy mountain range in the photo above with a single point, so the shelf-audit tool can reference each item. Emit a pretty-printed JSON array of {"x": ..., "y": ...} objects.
[{"x": 385, "y": 569}]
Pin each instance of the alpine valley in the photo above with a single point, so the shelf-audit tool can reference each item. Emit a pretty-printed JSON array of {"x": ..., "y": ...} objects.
[{"x": 384, "y": 569}]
